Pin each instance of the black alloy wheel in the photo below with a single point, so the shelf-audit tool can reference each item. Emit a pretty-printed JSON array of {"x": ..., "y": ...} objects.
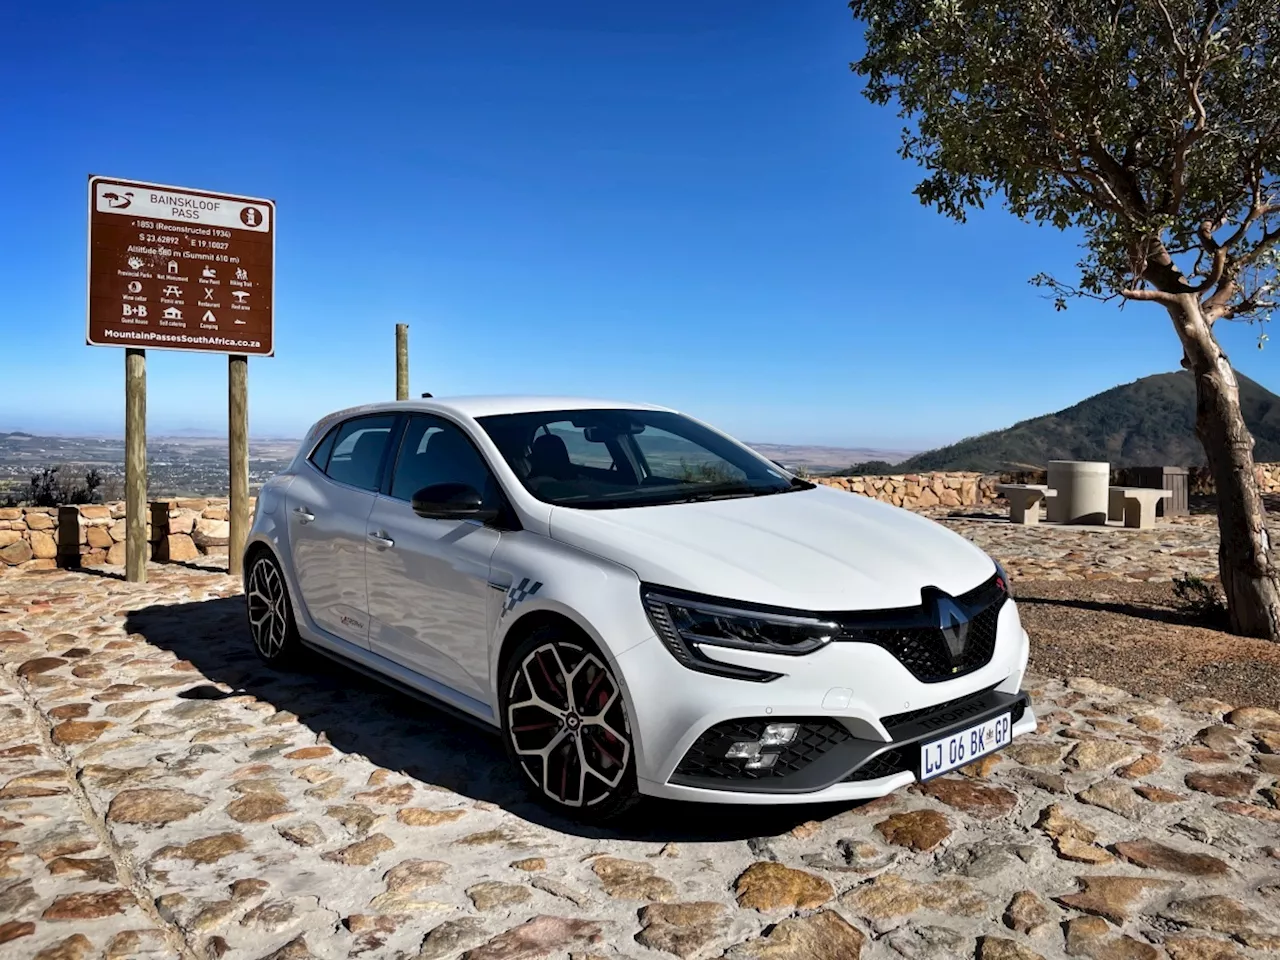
[
  {"x": 271, "y": 624},
  {"x": 565, "y": 726}
]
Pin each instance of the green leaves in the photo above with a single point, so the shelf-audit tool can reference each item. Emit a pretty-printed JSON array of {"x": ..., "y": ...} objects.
[{"x": 1153, "y": 126}]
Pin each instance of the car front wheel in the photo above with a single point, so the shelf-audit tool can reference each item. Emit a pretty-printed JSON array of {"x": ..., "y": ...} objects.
[
  {"x": 565, "y": 726},
  {"x": 271, "y": 624}
]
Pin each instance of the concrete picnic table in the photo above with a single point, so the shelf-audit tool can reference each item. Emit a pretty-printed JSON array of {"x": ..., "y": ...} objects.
[
  {"x": 1136, "y": 506},
  {"x": 1024, "y": 500}
]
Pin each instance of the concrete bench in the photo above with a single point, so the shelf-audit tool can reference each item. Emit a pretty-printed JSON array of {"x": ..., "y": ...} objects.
[
  {"x": 1024, "y": 500},
  {"x": 1136, "y": 506}
]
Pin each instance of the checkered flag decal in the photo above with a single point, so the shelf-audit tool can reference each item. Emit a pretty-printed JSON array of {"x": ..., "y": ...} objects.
[{"x": 520, "y": 593}]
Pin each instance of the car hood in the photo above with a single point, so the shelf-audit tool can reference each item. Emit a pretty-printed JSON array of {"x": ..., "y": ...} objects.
[{"x": 819, "y": 549}]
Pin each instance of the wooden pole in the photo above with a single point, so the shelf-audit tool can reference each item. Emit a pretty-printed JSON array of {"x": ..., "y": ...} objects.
[
  {"x": 238, "y": 444},
  {"x": 135, "y": 465},
  {"x": 402, "y": 361}
]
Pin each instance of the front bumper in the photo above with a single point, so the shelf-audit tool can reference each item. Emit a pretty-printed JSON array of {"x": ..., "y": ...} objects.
[
  {"x": 860, "y": 691},
  {"x": 825, "y": 754}
]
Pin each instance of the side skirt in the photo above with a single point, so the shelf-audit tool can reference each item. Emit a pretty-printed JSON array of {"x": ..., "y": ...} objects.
[{"x": 392, "y": 675}]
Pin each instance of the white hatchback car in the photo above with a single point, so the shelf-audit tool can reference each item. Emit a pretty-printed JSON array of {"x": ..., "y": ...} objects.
[{"x": 641, "y": 604}]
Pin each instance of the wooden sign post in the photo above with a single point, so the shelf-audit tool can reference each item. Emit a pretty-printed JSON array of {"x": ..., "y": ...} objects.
[
  {"x": 402, "y": 361},
  {"x": 135, "y": 465},
  {"x": 172, "y": 268},
  {"x": 238, "y": 446}
]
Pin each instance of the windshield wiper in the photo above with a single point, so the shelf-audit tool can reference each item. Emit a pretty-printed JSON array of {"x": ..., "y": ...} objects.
[{"x": 728, "y": 494}]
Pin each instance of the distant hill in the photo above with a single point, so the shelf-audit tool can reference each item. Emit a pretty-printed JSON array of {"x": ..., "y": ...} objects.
[{"x": 1149, "y": 422}]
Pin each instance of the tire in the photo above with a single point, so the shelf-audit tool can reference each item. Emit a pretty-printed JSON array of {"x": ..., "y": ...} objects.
[
  {"x": 581, "y": 765},
  {"x": 271, "y": 625}
]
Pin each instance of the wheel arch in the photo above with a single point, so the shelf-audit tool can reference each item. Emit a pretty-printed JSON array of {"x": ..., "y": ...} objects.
[{"x": 526, "y": 624}]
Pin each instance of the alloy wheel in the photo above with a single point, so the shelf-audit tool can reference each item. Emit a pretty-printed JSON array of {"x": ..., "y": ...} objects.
[
  {"x": 268, "y": 609},
  {"x": 567, "y": 724}
]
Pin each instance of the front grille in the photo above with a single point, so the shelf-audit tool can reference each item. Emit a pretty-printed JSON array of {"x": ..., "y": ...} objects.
[
  {"x": 920, "y": 646},
  {"x": 885, "y": 765},
  {"x": 910, "y": 716},
  {"x": 706, "y": 758}
]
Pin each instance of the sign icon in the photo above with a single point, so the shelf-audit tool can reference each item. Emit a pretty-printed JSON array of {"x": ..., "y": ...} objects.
[
  {"x": 135, "y": 263},
  {"x": 173, "y": 266},
  {"x": 129, "y": 310},
  {"x": 208, "y": 317},
  {"x": 242, "y": 273},
  {"x": 209, "y": 273},
  {"x": 251, "y": 217},
  {"x": 172, "y": 290},
  {"x": 172, "y": 313},
  {"x": 117, "y": 201},
  {"x": 240, "y": 295},
  {"x": 135, "y": 286},
  {"x": 208, "y": 293}
]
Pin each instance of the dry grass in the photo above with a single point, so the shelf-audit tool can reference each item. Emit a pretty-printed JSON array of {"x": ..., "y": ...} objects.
[{"x": 1132, "y": 635}]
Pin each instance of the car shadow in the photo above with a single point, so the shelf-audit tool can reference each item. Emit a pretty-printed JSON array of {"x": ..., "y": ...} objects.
[
  {"x": 1121, "y": 608},
  {"x": 358, "y": 715}
]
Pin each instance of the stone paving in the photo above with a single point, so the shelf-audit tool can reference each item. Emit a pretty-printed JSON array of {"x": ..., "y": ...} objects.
[
  {"x": 1178, "y": 545},
  {"x": 164, "y": 795}
]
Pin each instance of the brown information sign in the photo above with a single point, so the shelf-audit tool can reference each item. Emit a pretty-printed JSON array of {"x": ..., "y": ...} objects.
[{"x": 178, "y": 269}]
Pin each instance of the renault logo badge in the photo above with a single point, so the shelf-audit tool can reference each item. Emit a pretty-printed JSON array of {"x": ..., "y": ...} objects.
[{"x": 954, "y": 625}]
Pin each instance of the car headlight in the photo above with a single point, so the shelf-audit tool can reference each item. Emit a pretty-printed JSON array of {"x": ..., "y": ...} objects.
[
  {"x": 1003, "y": 579},
  {"x": 686, "y": 625}
]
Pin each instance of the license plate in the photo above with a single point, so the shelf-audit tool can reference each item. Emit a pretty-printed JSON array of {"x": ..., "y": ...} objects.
[{"x": 964, "y": 746}]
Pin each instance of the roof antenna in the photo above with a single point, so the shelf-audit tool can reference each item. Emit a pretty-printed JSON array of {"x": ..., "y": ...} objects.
[{"x": 426, "y": 396}]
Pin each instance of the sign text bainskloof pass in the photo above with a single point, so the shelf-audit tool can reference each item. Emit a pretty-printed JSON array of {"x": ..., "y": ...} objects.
[{"x": 178, "y": 269}]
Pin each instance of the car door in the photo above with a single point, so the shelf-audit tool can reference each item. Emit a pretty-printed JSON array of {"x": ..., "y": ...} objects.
[
  {"x": 429, "y": 579},
  {"x": 328, "y": 506}
]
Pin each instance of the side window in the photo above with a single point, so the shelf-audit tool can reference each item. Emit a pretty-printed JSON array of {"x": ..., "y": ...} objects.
[
  {"x": 435, "y": 451},
  {"x": 320, "y": 455},
  {"x": 357, "y": 451}
]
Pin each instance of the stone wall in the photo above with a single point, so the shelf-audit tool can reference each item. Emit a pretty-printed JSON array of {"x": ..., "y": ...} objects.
[
  {"x": 91, "y": 535},
  {"x": 41, "y": 538},
  {"x": 190, "y": 529},
  {"x": 920, "y": 490},
  {"x": 964, "y": 489},
  {"x": 28, "y": 537}
]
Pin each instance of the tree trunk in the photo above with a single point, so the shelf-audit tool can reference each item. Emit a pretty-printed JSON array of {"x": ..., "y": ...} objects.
[{"x": 1249, "y": 578}]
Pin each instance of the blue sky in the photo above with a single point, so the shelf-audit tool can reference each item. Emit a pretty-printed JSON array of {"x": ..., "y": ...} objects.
[{"x": 685, "y": 203}]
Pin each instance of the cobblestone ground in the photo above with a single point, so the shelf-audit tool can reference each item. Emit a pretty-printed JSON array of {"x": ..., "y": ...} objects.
[
  {"x": 1179, "y": 545},
  {"x": 163, "y": 795}
]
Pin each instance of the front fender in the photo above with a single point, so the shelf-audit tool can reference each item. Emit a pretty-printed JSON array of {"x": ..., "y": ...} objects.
[{"x": 540, "y": 575}]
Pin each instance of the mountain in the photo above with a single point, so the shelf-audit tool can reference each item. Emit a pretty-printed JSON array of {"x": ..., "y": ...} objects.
[{"x": 1150, "y": 422}]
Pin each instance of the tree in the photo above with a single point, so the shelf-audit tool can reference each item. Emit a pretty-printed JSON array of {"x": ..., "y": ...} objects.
[{"x": 1151, "y": 127}]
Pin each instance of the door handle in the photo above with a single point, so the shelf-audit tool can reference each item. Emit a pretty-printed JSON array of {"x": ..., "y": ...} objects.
[
  {"x": 304, "y": 515},
  {"x": 381, "y": 542}
]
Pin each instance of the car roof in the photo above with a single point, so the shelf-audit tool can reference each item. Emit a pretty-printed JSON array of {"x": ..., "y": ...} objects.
[{"x": 487, "y": 406}]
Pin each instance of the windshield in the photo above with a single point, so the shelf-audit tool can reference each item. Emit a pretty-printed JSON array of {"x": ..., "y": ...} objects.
[{"x": 597, "y": 459}]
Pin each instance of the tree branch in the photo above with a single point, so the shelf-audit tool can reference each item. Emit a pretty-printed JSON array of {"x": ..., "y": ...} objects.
[{"x": 1159, "y": 296}]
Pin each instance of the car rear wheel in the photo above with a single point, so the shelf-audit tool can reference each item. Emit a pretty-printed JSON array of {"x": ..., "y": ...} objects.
[
  {"x": 565, "y": 726},
  {"x": 271, "y": 623}
]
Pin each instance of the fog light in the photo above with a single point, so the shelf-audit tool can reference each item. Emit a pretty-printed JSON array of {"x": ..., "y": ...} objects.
[
  {"x": 762, "y": 762},
  {"x": 744, "y": 750},
  {"x": 777, "y": 734}
]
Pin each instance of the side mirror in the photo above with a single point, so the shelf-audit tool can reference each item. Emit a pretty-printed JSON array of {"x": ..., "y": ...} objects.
[{"x": 451, "y": 501}]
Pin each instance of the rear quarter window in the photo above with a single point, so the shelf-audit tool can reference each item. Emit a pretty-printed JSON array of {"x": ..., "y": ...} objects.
[{"x": 320, "y": 455}]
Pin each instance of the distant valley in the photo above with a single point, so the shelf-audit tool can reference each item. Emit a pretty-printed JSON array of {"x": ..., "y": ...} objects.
[
  {"x": 176, "y": 466},
  {"x": 197, "y": 466},
  {"x": 1145, "y": 423}
]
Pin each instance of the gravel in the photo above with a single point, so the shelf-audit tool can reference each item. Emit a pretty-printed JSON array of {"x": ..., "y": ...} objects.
[{"x": 1132, "y": 635}]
